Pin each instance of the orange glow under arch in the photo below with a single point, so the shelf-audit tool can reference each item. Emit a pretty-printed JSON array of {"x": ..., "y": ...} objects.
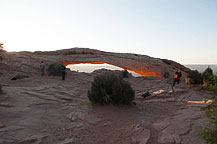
[{"x": 141, "y": 72}]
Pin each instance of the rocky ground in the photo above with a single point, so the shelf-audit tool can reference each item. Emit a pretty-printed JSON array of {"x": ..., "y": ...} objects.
[{"x": 47, "y": 110}]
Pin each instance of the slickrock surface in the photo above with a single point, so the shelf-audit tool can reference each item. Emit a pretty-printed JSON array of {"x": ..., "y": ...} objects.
[{"x": 47, "y": 110}]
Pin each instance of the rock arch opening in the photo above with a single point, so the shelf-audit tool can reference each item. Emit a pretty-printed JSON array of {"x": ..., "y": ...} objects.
[{"x": 135, "y": 72}]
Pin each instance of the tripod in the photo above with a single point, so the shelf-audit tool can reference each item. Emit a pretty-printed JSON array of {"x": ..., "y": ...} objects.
[{"x": 170, "y": 82}]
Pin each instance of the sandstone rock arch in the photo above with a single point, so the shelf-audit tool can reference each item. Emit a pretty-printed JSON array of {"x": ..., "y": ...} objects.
[{"x": 141, "y": 64}]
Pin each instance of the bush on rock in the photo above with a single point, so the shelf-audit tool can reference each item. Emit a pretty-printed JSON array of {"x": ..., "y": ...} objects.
[
  {"x": 54, "y": 69},
  {"x": 194, "y": 77},
  {"x": 109, "y": 88}
]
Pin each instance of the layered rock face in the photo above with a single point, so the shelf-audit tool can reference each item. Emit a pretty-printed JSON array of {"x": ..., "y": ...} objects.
[{"x": 28, "y": 62}]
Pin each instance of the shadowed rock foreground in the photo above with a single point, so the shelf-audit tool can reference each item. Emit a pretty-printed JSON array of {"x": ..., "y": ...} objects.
[{"x": 47, "y": 110}]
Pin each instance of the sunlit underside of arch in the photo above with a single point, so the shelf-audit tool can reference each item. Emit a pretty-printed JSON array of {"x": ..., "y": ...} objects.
[{"x": 141, "y": 72}]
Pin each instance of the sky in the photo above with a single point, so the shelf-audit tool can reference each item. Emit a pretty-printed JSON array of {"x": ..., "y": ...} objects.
[{"x": 181, "y": 30}]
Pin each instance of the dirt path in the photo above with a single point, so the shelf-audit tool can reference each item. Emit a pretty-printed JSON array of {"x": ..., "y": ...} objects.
[{"x": 41, "y": 110}]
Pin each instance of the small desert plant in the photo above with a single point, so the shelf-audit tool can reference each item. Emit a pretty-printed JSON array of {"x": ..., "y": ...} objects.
[
  {"x": 54, "y": 69},
  {"x": 125, "y": 73},
  {"x": 210, "y": 135},
  {"x": 194, "y": 77},
  {"x": 207, "y": 73},
  {"x": 209, "y": 80},
  {"x": 208, "y": 77},
  {"x": 109, "y": 88},
  {"x": 166, "y": 75},
  {"x": 210, "y": 87}
]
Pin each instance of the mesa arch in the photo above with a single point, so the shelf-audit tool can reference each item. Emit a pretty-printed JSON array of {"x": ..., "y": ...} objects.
[
  {"x": 141, "y": 64},
  {"x": 141, "y": 72},
  {"x": 28, "y": 62}
]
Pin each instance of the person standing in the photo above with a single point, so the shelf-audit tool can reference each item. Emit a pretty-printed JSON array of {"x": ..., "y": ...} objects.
[
  {"x": 42, "y": 68},
  {"x": 177, "y": 78},
  {"x": 63, "y": 71}
]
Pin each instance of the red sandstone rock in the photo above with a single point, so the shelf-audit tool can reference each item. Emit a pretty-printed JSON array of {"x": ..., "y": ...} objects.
[{"x": 141, "y": 64}]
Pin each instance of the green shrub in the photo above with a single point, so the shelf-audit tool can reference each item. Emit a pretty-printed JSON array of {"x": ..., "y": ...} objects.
[
  {"x": 211, "y": 112},
  {"x": 54, "y": 69},
  {"x": 194, "y": 77},
  {"x": 125, "y": 73},
  {"x": 210, "y": 87},
  {"x": 109, "y": 88},
  {"x": 166, "y": 75},
  {"x": 215, "y": 79},
  {"x": 101, "y": 89},
  {"x": 210, "y": 134},
  {"x": 122, "y": 93},
  {"x": 209, "y": 80},
  {"x": 208, "y": 72},
  {"x": 208, "y": 77}
]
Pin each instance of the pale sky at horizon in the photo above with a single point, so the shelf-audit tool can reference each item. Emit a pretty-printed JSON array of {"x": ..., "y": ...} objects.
[{"x": 181, "y": 30}]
